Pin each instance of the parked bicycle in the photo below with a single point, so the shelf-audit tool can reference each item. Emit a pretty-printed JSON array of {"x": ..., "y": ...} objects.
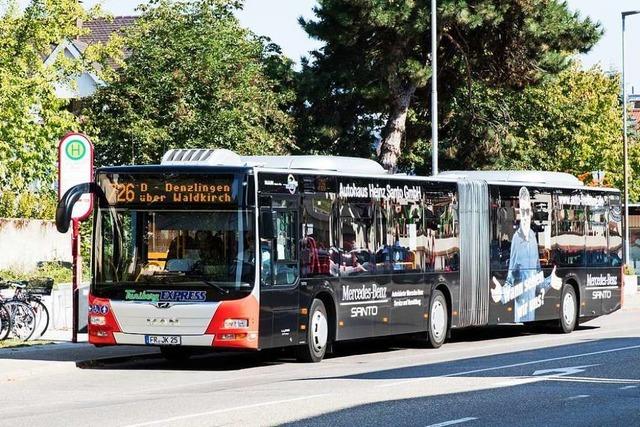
[
  {"x": 19, "y": 319},
  {"x": 26, "y": 316}
]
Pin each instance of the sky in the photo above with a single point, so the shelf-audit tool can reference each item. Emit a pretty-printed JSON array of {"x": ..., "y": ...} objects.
[{"x": 278, "y": 19}]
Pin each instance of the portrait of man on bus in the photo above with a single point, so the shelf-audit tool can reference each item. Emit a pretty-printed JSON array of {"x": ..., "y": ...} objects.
[{"x": 525, "y": 283}]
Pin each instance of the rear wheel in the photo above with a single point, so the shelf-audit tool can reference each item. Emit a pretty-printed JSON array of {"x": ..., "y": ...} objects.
[
  {"x": 568, "y": 309},
  {"x": 176, "y": 354},
  {"x": 317, "y": 334},
  {"x": 5, "y": 322},
  {"x": 42, "y": 317},
  {"x": 438, "y": 320}
]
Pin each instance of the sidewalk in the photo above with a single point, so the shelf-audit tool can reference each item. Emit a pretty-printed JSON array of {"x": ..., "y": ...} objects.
[
  {"x": 631, "y": 302},
  {"x": 60, "y": 356}
]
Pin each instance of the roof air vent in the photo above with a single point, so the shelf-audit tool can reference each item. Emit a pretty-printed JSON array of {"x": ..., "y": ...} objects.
[{"x": 203, "y": 157}]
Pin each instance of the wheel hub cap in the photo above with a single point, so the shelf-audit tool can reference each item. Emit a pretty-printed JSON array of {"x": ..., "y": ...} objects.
[
  {"x": 319, "y": 331},
  {"x": 568, "y": 309},
  {"x": 438, "y": 320}
]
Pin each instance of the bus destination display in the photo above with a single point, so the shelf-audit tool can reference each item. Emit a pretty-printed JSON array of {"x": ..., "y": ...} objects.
[{"x": 125, "y": 190}]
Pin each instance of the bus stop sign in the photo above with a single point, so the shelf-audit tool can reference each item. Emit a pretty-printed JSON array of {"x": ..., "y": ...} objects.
[{"x": 75, "y": 166}]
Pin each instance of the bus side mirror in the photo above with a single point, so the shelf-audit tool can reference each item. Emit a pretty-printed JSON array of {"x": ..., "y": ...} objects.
[
  {"x": 266, "y": 223},
  {"x": 68, "y": 200}
]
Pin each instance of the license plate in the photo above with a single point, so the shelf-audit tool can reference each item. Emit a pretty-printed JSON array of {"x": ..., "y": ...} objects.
[{"x": 162, "y": 340}]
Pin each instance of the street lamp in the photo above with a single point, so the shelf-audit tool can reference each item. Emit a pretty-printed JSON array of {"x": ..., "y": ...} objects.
[
  {"x": 624, "y": 131},
  {"x": 434, "y": 90}
]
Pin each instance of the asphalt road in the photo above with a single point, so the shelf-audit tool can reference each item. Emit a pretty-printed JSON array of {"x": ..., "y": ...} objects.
[{"x": 499, "y": 376}]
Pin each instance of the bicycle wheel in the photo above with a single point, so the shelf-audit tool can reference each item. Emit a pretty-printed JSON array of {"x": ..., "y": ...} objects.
[
  {"x": 5, "y": 322},
  {"x": 23, "y": 319},
  {"x": 42, "y": 317}
]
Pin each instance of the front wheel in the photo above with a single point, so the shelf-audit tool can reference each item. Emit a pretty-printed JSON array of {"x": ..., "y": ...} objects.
[
  {"x": 5, "y": 322},
  {"x": 438, "y": 320},
  {"x": 317, "y": 334},
  {"x": 568, "y": 309},
  {"x": 23, "y": 319}
]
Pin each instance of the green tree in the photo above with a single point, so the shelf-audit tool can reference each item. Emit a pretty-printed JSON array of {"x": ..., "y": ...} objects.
[
  {"x": 569, "y": 123},
  {"x": 372, "y": 76},
  {"x": 195, "y": 79},
  {"x": 32, "y": 119}
]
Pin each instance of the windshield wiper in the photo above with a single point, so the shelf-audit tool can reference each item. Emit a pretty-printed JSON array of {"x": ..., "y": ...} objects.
[
  {"x": 216, "y": 286},
  {"x": 101, "y": 286}
]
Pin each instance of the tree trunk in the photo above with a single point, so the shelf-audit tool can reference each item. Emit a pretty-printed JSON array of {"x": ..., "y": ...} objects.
[{"x": 395, "y": 128}]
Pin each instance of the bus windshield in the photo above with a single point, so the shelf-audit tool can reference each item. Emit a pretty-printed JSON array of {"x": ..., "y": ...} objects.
[{"x": 175, "y": 249}]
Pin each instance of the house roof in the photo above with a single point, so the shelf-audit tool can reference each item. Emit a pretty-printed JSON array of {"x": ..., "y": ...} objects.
[{"x": 101, "y": 28}]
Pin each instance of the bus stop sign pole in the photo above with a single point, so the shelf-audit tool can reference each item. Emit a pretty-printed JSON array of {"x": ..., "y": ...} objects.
[
  {"x": 75, "y": 166},
  {"x": 75, "y": 246}
]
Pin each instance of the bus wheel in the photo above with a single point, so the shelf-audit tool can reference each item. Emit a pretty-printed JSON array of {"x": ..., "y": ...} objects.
[
  {"x": 317, "y": 334},
  {"x": 438, "y": 320},
  {"x": 175, "y": 354},
  {"x": 568, "y": 309}
]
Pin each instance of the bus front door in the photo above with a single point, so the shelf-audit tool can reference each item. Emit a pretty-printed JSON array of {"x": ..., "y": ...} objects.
[{"x": 279, "y": 292}]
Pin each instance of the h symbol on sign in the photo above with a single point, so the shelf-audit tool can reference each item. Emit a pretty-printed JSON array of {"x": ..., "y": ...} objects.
[{"x": 76, "y": 149}]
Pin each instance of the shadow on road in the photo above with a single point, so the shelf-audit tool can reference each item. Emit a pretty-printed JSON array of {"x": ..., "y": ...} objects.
[
  {"x": 149, "y": 358},
  {"x": 508, "y": 364},
  {"x": 603, "y": 372}
]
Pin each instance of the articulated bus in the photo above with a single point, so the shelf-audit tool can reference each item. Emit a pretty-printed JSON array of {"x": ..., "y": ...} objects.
[{"x": 211, "y": 249}]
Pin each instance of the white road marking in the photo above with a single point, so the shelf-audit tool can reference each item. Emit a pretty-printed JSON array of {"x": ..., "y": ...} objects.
[
  {"x": 517, "y": 381},
  {"x": 595, "y": 380},
  {"x": 562, "y": 371},
  {"x": 513, "y": 365},
  {"x": 452, "y": 422},
  {"x": 579, "y": 396},
  {"x": 627, "y": 387},
  {"x": 220, "y": 411},
  {"x": 529, "y": 380},
  {"x": 531, "y": 341}
]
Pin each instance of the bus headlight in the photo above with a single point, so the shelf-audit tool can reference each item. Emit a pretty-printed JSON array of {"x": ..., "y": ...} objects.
[{"x": 236, "y": 323}]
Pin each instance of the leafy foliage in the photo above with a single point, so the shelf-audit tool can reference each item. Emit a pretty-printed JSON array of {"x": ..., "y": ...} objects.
[
  {"x": 32, "y": 118},
  {"x": 194, "y": 79},
  {"x": 371, "y": 80},
  {"x": 59, "y": 272}
]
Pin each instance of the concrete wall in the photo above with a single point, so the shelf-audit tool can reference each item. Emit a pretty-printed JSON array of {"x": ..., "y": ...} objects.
[
  {"x": 60, "y": 306},
  {"x": 25, "y": 242}
]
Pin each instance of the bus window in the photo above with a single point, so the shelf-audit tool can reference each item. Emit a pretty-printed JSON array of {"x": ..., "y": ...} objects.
[
  {"x": 541, "y": 225},
  {"x": 439, "y": 233},
  {"x": 570, "y": 237},
  {"x": 596, "y": 240},
  {"x": 399, "y": 250},
  {"x": 356, "y": 240},
  {"x": 506, "y": 226},
  {"x": 315, "y": 247},
  {"x": 614, "y": 229},
  {"x": 286, "y": 257}
]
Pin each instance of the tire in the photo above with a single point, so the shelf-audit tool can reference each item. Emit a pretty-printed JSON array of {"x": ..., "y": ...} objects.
[
  {"x": 438, "y": 322},
  {"x": 23, "y": 319},
  {"x": 175, "y": 354},
  {"x": 5, "y": 322},
  {"x": 568, "y": 309},
  {"x": 317, "y": 334},
  {"x": 42, "y": 318}
]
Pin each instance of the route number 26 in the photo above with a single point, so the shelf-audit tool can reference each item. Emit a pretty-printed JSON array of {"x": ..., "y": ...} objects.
[{"x": 125, "y": 193}]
